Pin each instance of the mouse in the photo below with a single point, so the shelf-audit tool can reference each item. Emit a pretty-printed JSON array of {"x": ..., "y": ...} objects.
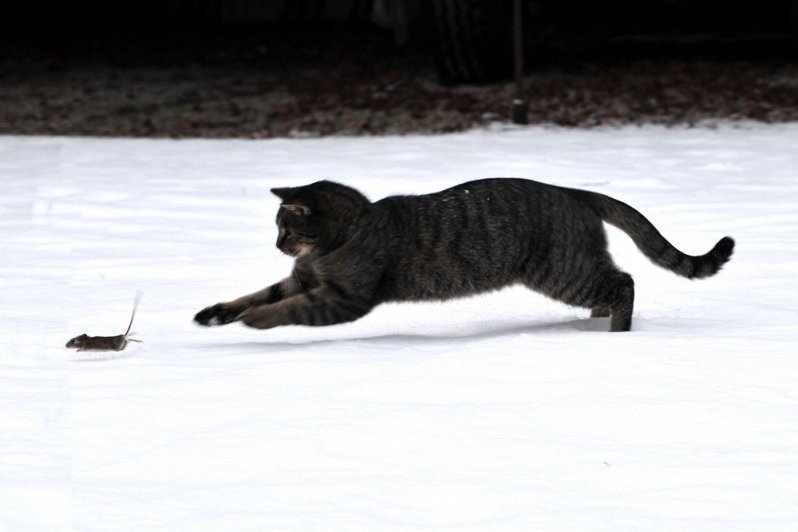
[{"x": 84, "y": 342}]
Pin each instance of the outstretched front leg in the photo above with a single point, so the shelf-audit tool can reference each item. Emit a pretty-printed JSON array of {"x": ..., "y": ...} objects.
[
  {"x": 326, "y": 304},
  {"x": 224, "y": 313}
]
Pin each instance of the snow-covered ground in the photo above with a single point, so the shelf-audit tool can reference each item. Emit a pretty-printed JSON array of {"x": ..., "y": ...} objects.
[{"x": 502, "y": 412}]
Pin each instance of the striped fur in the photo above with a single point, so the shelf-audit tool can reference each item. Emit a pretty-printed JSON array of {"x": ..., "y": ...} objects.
[{"x": 352, "y": 254}]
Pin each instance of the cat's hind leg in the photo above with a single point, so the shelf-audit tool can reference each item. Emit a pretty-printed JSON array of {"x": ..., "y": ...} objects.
[
  {"x": 600, "y": 312},
  {"x": 608, "y": 292},
  {"x": 601, "y": 287},
  {"x": 617, "y": 293}
]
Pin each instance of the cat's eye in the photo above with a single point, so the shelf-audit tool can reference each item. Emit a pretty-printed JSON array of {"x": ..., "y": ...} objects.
[
  {"x": 302, "y": 210},
  {"x": 298, "y": 235}
]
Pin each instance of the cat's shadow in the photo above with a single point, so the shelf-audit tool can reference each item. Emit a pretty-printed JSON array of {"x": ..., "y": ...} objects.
[{"x": 383, "y": 340}]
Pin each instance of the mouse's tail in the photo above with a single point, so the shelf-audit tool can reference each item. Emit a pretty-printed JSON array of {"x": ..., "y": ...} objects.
[{"x": 135, "y": 306}]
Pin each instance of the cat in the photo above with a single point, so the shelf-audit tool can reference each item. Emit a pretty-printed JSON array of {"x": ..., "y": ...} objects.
[{"x": 352, "y": 254}]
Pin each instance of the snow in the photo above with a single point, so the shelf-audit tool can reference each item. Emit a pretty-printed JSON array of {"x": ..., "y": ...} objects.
[{"x": 500, "y": 412}]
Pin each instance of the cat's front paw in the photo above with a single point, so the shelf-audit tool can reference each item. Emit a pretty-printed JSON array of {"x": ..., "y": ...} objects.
[{"x": 218, "y": 314}]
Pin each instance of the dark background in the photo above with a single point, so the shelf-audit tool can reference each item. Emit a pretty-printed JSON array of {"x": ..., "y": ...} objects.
[{"x": 263, "y": 68}]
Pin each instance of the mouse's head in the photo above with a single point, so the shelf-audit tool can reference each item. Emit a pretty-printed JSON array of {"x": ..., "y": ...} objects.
[{"x": 78, "y": 341}]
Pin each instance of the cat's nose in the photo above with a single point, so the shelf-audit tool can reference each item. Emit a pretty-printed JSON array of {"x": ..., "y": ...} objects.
[{"x": 281, "y": 236}]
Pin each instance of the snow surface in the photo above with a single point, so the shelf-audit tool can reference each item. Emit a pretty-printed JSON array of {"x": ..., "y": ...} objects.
[{"x": 501, "y": 412}]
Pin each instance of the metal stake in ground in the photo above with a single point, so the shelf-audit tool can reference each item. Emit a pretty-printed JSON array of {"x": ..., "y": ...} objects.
[{"x": 519, "y": 105}]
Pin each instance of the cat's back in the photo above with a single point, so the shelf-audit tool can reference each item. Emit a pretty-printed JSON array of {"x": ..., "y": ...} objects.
[
  {"x": 485, "y": 190},
  {"x": 466, "y": 238},
  {"x": 474, "y": 207}
]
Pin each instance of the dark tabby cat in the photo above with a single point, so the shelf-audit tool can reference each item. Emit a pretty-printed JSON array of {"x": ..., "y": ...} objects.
[{"x": 352, "y": 254}]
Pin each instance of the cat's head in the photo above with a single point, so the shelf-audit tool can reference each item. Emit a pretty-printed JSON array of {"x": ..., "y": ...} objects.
[{"x": 316, "y": 218}]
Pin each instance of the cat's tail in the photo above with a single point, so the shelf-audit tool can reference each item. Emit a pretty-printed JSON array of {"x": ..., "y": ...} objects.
[{"x": 653, "y": 245}]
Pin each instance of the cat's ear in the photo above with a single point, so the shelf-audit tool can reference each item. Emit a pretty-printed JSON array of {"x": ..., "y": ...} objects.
[
  {"x": 282, "y": 193},
  {"x": 297, "y": 209}
]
